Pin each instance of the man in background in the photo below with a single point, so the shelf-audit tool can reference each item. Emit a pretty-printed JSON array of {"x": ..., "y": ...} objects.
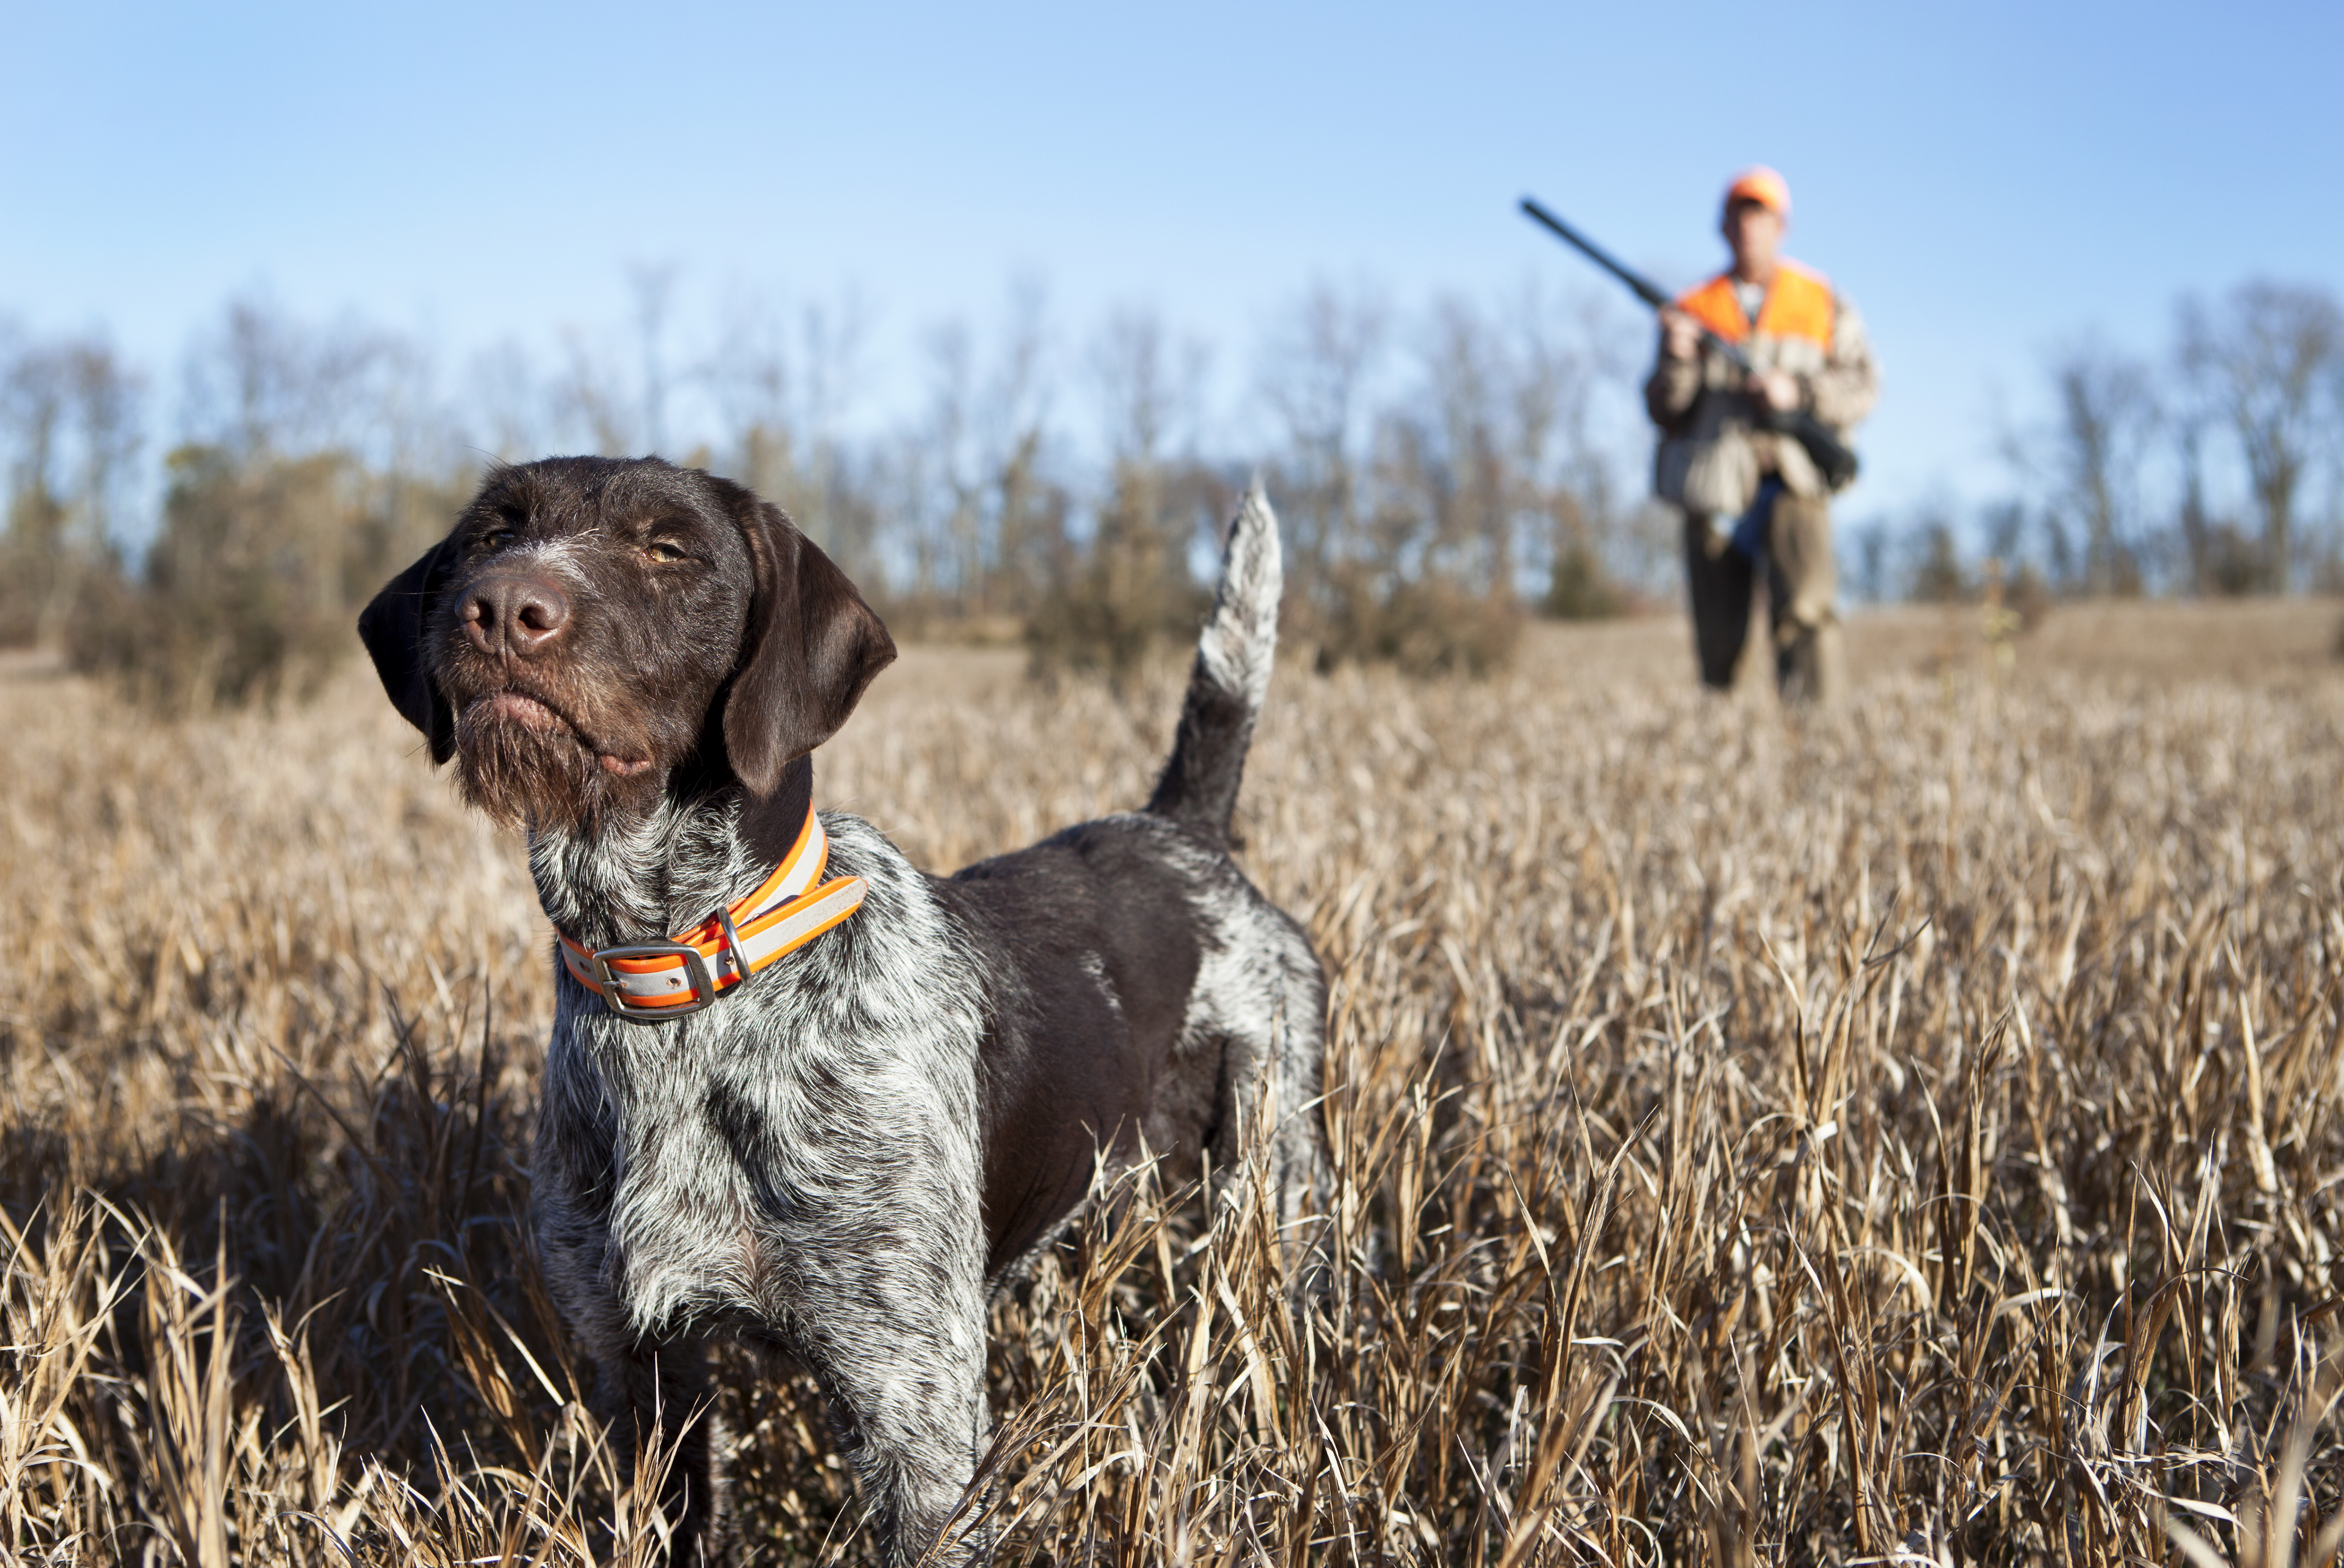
[{"x": 1754, "y": 501}]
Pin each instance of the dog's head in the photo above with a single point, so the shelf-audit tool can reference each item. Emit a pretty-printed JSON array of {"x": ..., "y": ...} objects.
[{"x": 594, "y": 626}]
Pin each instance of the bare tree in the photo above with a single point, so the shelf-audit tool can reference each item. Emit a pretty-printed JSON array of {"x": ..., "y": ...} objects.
[
  {"x": 988, "y": 505},
  {"x": 951, "y": 521},
  {"x": 261, "y": 382},
  {"x": 1936, "y": 573},
  {"x": 69, "y": 423},
  {"x": 1149, "y": 390},
  {"x": 2263, "y": 357},
  {"x": 1562, "y": 364},
  {"x": 829, "y": 504},
  {"x": 750, "y": 374},
  {"x": 1466, "y": 482},
  {"x": 782, "y": 385},
  {"x": 1030, "y": 506},
  {"x": 653, "y": 287},
  {"x": 1111, "y": 600},
  {"x": 506, "y": 406},
  {"x": 108, "y": 397},
  {"x": 1418, "y": 506},
  {"x": 2220, "y": 556},
  {"x": 1319, "y": 365},
  {"x": 589, "y": 400},
  {"x": 33, "y": 403},
  {"x": 2102, "y": 428}
]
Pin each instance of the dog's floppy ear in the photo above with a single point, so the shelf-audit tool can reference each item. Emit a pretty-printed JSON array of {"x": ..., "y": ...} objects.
[
  {"x": 392, "y": 629},
  {"x": 810, "y": 648}
]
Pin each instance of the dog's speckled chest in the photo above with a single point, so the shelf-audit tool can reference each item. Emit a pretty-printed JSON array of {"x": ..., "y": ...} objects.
[{"x": 738, "y": 1157}]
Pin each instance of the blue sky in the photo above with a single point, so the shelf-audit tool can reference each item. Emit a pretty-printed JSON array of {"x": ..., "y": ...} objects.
[{"x": 1982, "y": 179}]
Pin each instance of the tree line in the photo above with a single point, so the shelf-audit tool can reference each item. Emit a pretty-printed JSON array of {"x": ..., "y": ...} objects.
[
  {"x": 1062, "y": 485},
  {"x": 2212, "y": 465},
  {"x": 1442, "y": 469}
]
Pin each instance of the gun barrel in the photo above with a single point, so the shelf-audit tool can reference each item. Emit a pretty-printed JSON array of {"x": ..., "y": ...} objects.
[
  {"x": 1637, "y": 282},
  {"x": 1643, "y": 287}
]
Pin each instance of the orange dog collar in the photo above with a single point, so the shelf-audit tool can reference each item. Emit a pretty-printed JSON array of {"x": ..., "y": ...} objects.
[{"x": 652, "y": 982}]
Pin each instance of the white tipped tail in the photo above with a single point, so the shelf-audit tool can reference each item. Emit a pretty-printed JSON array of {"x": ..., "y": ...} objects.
[{"x": 1231, "y": 676}]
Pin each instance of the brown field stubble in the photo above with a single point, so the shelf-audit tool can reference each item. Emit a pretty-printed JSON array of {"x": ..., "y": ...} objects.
[{"x": 1917, "y": 1132}]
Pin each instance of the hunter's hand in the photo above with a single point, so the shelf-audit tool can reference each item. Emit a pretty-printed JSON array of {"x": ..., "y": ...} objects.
[
  {"x": 1776, "y": 390},
  {"x": 1680, "y": 333}
]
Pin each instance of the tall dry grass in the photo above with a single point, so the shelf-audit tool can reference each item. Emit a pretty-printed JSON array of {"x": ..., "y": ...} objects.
[{"x": 1908, "y": 1135}]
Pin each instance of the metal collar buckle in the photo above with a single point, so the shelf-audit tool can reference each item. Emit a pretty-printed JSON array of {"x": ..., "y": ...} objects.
[
  {"x": 696, "y": 969},
  {"x": 739, "y": 955}
]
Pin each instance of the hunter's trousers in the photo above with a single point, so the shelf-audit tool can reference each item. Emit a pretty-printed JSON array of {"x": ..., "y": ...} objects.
[{"x": 1802, "y": 596}]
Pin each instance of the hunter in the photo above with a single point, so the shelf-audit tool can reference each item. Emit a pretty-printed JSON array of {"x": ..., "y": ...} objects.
[{"x": 1753, "y": 501}]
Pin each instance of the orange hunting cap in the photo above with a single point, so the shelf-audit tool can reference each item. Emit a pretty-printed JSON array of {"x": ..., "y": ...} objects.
[{"x": 1763, "y": 186}]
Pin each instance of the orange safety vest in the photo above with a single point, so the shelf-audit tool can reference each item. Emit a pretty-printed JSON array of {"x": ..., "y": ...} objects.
[{"x": 1798, "y": 305}]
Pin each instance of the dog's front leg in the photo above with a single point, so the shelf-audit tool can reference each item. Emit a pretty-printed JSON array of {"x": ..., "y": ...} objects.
[
  {"x": 653, "y": 1397},
  {"x": 914, "y": 1452},
  {"x": 901, "y": 1364},
  {"x": 653, "y": 1394}
]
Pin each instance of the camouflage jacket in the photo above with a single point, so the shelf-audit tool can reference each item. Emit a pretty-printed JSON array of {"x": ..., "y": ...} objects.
[{"x": 1711, "y": 455}]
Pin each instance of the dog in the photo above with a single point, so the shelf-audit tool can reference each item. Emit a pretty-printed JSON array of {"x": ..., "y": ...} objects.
[{"x": 798, "y": 1091}]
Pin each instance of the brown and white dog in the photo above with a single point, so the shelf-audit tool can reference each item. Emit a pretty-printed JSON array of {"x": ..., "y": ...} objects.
[{"x": 799, "y": 1091}]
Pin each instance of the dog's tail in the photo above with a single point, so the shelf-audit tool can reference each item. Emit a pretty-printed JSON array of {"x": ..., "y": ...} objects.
[{"x": 1199, "y": 785}]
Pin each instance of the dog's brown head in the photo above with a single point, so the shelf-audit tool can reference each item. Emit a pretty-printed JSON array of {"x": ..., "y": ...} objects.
[{"x": 593, "y": 627}]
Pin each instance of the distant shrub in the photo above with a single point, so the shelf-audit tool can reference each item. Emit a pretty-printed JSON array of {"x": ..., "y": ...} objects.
[
  {"x": 1938, "y": 575},
  {"x": 934, "y": 618},
  {"x": 1428, "y": 626},
  {"x": 2029, "y": 597},
  {"x": 1580, "y": 590},
  {"x": 1094, "y": 623},
  {"x": 248, "y": 591},
  {"x": 1108, "y": 605},
  {"x": 2232, "y": 564},
  {"x": 40, "y": 572},
  {"x": 240, "y": 600}
]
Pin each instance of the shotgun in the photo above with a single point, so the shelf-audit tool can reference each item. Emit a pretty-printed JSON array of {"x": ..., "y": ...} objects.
[{"x": 1833, "y": 457}]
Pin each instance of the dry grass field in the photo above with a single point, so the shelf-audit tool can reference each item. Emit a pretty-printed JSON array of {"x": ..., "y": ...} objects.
[{"x": 1912, "y": 1135}]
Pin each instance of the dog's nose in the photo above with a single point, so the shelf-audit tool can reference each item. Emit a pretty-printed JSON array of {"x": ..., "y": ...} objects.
[{"x": 506, "y": 614}]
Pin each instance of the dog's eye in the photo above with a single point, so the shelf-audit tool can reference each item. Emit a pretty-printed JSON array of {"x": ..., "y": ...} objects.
[
  {"x": 498, "y": 537},
  {"x": 661, "y": 549}
]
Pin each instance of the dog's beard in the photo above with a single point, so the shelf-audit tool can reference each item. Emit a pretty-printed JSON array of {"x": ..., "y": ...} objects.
[{"x": 528, "y": 777}]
